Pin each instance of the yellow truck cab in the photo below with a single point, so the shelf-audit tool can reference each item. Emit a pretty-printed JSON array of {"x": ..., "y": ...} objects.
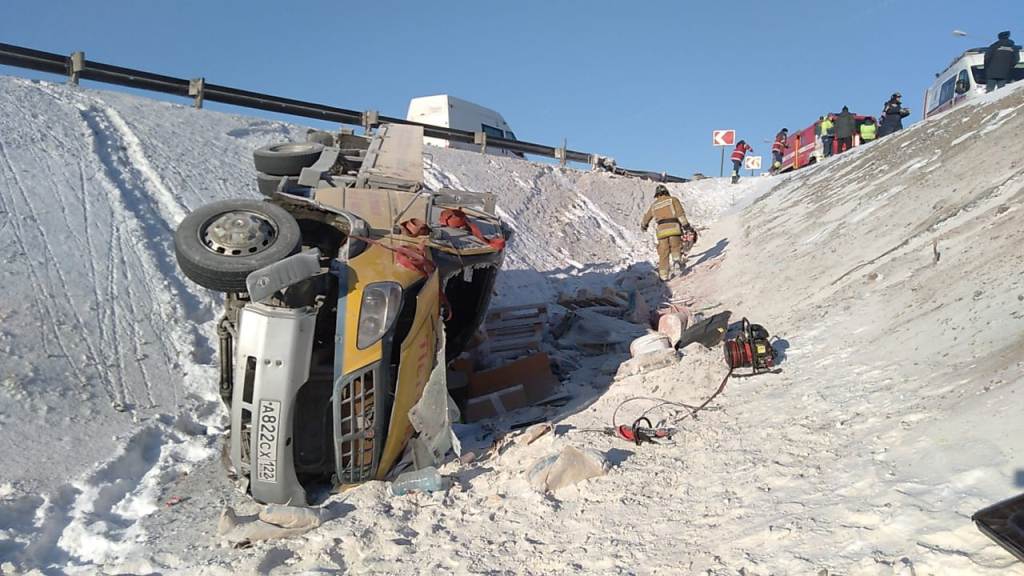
[{"x": 348, "y": 289}]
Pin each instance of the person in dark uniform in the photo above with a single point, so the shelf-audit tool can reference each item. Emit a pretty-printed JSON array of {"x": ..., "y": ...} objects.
[
  {"x": 1000, "y": 60},
  {"x": 893, "y": 114},
  {"x": 846, "y": 126}
]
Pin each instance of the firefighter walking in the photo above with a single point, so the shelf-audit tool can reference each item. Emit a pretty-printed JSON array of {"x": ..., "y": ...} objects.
[
  {"x": 671, "y": 225},
  {"x": 779, "y": 148},
  {"x": 738, "y": 153}
]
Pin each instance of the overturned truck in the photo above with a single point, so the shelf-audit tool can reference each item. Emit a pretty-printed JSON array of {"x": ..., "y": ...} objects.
[{"x": 347, "y": 290}]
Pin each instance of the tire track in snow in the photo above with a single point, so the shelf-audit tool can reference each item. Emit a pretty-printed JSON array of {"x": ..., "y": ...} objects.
[
  {"x": 156, "y": 231},
  {"x": 117, "y": 377},
  {"x": 43, "y": 295}
]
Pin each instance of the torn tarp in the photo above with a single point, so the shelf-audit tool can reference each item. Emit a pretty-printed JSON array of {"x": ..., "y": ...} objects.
[{"x": 432, "y": 418}]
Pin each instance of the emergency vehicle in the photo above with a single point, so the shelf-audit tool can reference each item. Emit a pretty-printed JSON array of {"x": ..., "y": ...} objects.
[
  {"x": 805, "y": 147},
  {"x": 962, "y": 80},
  {"x": 452, "y": 112}
]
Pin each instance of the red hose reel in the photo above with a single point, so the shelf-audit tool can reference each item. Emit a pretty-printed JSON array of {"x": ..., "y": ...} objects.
[{"x": 750, "y": 348}]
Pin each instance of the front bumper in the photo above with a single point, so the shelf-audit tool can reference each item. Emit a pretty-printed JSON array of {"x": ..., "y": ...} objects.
[{"x": 272, "y": 360}]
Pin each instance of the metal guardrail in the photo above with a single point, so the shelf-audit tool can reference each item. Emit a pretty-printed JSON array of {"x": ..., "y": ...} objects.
[{"x": 76, "y": 67}]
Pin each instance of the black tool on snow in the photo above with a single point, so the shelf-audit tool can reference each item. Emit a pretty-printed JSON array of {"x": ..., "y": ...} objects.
[{"x": 750, "y": 348}]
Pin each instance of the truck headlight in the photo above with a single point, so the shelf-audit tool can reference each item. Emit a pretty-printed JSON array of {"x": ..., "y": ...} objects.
[{"x": 381, "y": 301}]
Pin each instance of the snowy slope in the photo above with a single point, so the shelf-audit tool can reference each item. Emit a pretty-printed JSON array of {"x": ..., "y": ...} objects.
[
  {"x": 892, "y": 274},
  {"x": 108, "y": 403}
]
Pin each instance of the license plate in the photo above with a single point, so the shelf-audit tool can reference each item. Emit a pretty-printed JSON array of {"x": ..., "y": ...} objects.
[{"x": 268, "y": 428}]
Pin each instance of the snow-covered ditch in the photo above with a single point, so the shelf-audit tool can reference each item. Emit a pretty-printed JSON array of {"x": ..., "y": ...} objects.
[{"x": 892, "y": 275}]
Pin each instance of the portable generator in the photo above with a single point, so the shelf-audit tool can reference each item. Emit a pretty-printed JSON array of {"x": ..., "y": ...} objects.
[{"x": 750, "y": 348}]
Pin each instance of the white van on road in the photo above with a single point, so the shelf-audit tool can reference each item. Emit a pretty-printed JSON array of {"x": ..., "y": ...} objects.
[
  {"x": 962, "y": 80},
  {"x": 452, "y": 112}
]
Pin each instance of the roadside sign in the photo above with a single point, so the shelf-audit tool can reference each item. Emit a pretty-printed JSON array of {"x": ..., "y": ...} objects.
[
  {"x": 723, "y": 137},
  {"x": 752, "y": 162}
]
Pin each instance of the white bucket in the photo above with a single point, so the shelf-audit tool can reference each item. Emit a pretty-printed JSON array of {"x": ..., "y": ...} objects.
[{"x": 648, "y": 343}]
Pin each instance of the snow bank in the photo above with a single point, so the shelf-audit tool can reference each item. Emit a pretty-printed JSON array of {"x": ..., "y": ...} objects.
[
  {"x": 106, "y": 352},
  {"x": 891, "y": 274}
]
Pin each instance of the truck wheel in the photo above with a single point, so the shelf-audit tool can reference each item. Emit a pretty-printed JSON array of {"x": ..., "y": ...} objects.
[
  {"x": 286, "y": 159},
  {"x": 220, "y": 244}
]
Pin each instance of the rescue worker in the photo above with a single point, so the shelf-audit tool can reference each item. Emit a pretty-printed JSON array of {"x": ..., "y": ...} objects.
[
  {"x": 826, "y": 130},
  {"x": 846, "y": 125},
  {"x": 779, "y": 148},
  {"x": 893, "y": 114},
  {"x": 868, "y": 130},
  {"x": 738, "y": 153},
  {"x": 1000, "y": 60},
  {"x": 671, "y": 223}
]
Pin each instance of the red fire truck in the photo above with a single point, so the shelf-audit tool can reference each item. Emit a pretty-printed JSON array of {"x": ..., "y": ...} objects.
[{"x": 805, "y": 147}]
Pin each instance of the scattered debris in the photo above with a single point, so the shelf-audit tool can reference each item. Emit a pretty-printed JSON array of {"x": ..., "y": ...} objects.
[
  {"x": 514, "y": 331},
  {"x": 672, "y": 325},
  {"x": 648, "y": 343},
  {"x": 584, "y": 298},
  {"x": 174, "y": 501},
  {"x": 273, "y": 522},
  {"x": 709, "y": 332},
  {"x": 533, "y": 433},
  {"x": 521, "y": 383},
  {"x": 566, "y": 468},
  {"x": 647, "y": 363},
  {"x": 597, "y": 334},
  {"x": 424, "y": 480},
  {"x": 639, "y": 312}
]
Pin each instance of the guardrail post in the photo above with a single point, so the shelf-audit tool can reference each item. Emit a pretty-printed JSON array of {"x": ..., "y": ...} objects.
[
  {"x": 371, "y": 118},
  {"x": 195, "y": 88},
  {"x": 76, "y": 65},
  {"x": 560, "y": 152},
  {"x": 481, "y": 139}
]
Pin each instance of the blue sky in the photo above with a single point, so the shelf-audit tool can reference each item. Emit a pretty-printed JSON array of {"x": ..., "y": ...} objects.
[{"x": 645, "y": 82}]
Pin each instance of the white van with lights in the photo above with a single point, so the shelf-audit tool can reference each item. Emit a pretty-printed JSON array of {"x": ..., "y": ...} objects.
[
  {"x": 962, "y": 80},
  {"x": 452, "y": 112}
]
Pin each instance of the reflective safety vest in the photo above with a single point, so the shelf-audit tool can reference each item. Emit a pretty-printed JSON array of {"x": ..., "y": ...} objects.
[
  {"x": 868, "y": 131},
  {"x": 668, "y": 214},
  {"x": 826, "y": 127},
  {"x": 779, "y": 146},
  {"x": 739, "y": 152}
]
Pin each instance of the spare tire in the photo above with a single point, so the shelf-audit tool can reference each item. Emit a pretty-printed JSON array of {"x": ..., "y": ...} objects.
[
  {"x": 218, "y": 245},
  {"x": 287, "y": 158}
]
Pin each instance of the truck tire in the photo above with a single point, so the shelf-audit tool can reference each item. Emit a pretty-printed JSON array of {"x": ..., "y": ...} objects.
[
  {"x": 267, "y": 184},
  {"x": 287, "y": 158},
  {"x": 219, "y": 244}
]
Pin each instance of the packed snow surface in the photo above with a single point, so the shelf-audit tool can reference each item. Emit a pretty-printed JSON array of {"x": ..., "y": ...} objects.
[{"x": 893, "y": 277}]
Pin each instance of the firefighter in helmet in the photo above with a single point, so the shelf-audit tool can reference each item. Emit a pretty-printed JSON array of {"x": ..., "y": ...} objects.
[
  {"x": 779, "y": 149},
  {"x": 671, "y": 228}
]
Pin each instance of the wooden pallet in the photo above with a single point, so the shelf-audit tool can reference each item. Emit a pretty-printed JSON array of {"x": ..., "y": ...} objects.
[{"x": 515, "y": 330}]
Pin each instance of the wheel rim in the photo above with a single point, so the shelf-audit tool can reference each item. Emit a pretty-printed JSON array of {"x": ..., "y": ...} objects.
[
  {"x": 293, "y": 148},
  {"x": 238, "y": 233}
]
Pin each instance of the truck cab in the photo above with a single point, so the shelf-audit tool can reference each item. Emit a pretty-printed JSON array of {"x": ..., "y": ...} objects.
[{"x": 452, "y": 112}]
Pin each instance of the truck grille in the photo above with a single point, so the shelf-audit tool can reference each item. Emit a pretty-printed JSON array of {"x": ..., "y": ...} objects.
[{"x": 355, "y": 434}]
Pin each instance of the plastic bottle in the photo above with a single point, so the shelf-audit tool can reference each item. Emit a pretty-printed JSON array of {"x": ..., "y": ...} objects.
[{"x": 424, "y": 480}]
